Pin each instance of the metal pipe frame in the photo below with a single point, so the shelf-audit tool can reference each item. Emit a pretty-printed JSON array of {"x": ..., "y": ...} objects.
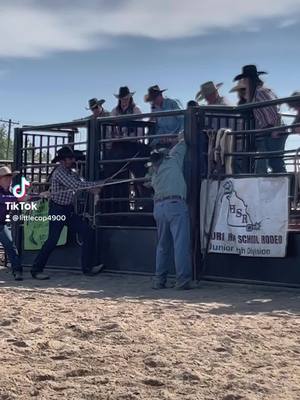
[{"x": 195, "y": 124}]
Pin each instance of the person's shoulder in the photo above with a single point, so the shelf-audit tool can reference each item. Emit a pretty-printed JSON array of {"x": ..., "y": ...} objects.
[
  {"x": 59, "y": 170},
  {"x": 137, "y": 110},
  {"x": 168, "y": 100},
  {"x": 264, "y": 91},
  {"x": 172, "y": 103}
]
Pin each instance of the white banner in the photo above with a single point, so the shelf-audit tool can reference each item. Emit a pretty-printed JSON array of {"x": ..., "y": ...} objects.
[{"x": 250, "y": 217}]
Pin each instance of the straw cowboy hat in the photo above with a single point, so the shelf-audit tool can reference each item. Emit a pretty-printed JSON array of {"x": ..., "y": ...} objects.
[
  {"x": 6, "y": 171},
  {"x": 249, "y": 71},
  {"x": 123, "y": 92},
  {"x": 240, "y": 86},
  {"x": 206, "y": 89},
  {"x": 153, "y": 92},
  {"x": 94, "y": 102}
]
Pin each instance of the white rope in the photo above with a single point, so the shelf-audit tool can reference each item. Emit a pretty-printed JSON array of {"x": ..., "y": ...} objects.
[{"x": 103, "y": 183}]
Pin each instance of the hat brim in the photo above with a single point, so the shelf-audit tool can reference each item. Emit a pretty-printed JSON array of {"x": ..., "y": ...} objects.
[
  {"x": 200, "y": 95},
  {"x": 99, "y": 103},
  {"x": 242, "y": 76},
  {"x": 55, "y": 160},
  {"x": 13, "y": 174},
  {"x": 148, "y": 97},
  {"x": 121, "y": 97},
  {"x": 60, "y": 158},
  {"x": 237, "y": 88}
]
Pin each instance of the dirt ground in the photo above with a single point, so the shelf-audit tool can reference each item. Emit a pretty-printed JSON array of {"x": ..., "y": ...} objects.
[{"x": 112, "y": 337}]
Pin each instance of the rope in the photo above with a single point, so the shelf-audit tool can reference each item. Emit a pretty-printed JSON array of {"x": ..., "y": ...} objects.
[{"x": 105, "y": 182}]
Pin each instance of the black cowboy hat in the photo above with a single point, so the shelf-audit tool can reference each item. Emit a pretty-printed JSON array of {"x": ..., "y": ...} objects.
[
  {"x": 63, "y": 153},
  {"x": 79, "y": 155},
  {"x": 94, "y": 102},
  {"x": 153, "y": 91},
  {"x": 249, "y": 71},
  {"x": 123, "y": 92}
]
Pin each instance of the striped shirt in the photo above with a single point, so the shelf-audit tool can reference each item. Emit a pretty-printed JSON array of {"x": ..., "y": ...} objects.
[
  {"x": 64, "y": 183},
  {"x": 265, "y": 116}
]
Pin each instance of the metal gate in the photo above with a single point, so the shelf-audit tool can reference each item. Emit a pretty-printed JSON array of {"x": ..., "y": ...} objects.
[
  {"x": 34, "y": 149},
  {"x": 125, "y": 231}
]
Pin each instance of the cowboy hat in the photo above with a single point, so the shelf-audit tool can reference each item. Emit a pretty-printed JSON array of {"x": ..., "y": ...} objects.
[
  {"x": 6, "y": 171},
  {"x": 63, "y": 153},
  {"x": 153, "y": 92},
  {"x": 240, "y": 86},
  {"x": 249, "y": 71},
  {"x": 206, "y": 89},
  {"x": 94, "y": 102},
  {"x": 123, "y": 92},
  {"x": 292, "y": 102}
]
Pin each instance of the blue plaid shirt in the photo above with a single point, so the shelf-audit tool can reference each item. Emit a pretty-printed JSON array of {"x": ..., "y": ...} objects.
[{"x": 64, "y": 182}]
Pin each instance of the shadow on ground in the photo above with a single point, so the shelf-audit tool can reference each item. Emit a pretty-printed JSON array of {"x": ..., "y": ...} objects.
[{"x": 221, "y": 298}]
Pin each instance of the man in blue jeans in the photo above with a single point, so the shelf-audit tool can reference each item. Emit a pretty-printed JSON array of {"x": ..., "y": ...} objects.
[
  {"x": 64, "y": 183},
  {"x": 5, "y": 235},
  {"x": 171, "y": 216}
]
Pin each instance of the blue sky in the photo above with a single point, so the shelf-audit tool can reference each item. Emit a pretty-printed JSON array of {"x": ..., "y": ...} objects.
[{"x": 55, "y": 55}]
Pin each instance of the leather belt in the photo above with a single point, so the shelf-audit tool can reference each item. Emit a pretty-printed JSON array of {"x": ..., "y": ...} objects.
[{"x": 169, "y": 198}]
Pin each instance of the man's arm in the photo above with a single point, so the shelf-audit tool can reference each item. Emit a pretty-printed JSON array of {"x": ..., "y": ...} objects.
[
  {"x": 178, "y": 152},
  {"x": 71, "y": 181},
  {"x": 8, "y": 198}
]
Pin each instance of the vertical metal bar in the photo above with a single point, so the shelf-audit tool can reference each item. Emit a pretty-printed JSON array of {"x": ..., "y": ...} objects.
[
  {"x": 92, "y": 141},
  {"x": 48, "y": 155},
  {"x": 33, "y": 158},
  {"x": 40, "y": 158},
  {"x": 55, "y": 143},
  {"x": 18, "y": 160},
  {"x": 92, "y": 166},
  {"x": 192, "y": 178},
  {"x": 25, "y": 151},
  {"x": 71, "y": 137}
]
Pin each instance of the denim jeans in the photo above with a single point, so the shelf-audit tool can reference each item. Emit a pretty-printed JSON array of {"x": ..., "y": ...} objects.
[
  {"x": 10, "y": 249},
  {"x": 270, "y": 144},
  {"x": 75, "y": 224},
  {"x": 173, "y": 227}
]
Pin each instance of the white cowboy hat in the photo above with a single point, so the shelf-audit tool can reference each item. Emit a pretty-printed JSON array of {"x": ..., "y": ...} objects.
[{"x": 6, "y": 171}]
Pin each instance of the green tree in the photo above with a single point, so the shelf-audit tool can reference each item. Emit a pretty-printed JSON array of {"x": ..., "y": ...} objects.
[{"x": 4, "y": 144}]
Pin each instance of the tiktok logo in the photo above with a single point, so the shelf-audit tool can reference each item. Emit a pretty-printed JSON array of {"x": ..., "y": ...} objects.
[{"x": 19, "y": 191}]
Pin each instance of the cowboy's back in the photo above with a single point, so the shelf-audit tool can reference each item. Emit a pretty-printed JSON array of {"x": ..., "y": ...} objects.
[{"x": 168, "y": 180}]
